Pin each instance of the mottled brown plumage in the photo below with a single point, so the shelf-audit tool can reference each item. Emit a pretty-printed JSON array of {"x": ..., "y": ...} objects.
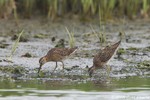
[
  {"x": 103, "y": 56},
  {"x": 56, "y": 55}
]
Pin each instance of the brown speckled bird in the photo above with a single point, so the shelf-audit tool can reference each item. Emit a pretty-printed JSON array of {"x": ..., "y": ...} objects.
[
  {"x": 56, "y": 55},
  {"x": 102, "y": 57}
]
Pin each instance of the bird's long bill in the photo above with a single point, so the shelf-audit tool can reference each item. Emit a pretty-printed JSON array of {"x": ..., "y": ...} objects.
[
  {"x": 39, "y": 68},
  {"x": 90, "y": 71}
]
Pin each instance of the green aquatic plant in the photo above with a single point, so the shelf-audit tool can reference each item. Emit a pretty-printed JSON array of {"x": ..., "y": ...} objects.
[
  {"x": 121, "y": 51},
  {"x": 40, "y": 35},
  {"x": 145, "y": 6},
  {"x": 86, "y": 5},
  {"x": 52, "y": 8},
  {"x": 24, "y": 37},
  {"x": 71, "y": 38},
  {"x": 14, "y": 47},
  {"x": 7, "y": 8},
  {"x": 106, "y": 8},
  {"x": 132, "y": 49},
  {"x": 101, "y": 35},
  {"x": 121, "y": 35},
  {"x": 13, "y": 69},
  {"x": 88, "y": 8},
  {"x": 28, "y": 6},
  {"x": 144, "y": 65}
]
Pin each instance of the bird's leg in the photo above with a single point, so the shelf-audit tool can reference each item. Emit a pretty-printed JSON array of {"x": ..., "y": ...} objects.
[
  {"x": 108, "y": 70},
  {"x": 55, "y": 67},
  {"x": 63, "y": 68},
  {"x": 91, "y": 70},
  {"x": 62, "y": 64}
]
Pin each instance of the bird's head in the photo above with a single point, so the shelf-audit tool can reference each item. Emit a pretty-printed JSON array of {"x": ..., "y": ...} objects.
[{"x": 42, "y": 61}]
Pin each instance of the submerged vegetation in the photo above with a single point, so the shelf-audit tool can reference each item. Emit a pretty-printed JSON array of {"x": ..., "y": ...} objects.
[{"x": 85, "y": 8}]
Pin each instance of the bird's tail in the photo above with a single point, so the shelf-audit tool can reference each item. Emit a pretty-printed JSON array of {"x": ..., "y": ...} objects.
[{"x": 116, "y": 44}]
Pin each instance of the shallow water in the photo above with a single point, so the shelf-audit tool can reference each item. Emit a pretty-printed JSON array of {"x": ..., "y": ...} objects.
[{"x": 126, "y": 88}]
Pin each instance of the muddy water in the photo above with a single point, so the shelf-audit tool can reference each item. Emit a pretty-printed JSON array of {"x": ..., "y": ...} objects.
[
  {"x": 129, "y": 88},
  {"x": 130, "y": 67}
]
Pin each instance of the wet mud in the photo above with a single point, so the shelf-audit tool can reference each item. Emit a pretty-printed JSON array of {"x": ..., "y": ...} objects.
[{"x": 131, "y": 59}]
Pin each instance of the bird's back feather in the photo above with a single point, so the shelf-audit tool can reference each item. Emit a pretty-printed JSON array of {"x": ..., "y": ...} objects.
[
  {"x": 104, "y": 55},
  {"x": 59, "y": 53}
]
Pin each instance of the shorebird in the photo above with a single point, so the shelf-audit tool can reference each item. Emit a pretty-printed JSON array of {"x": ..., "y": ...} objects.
[
  {"x": 102, "y": 57},
  {"x": 56, "y": 55}
]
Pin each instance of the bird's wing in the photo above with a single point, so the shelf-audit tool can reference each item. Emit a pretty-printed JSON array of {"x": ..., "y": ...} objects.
[
  {"x": 105, "y": 54},
  {"x": 61, "y": 51}
]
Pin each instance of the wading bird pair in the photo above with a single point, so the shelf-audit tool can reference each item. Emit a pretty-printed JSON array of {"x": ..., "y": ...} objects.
[{"x": 100, "y": 59}]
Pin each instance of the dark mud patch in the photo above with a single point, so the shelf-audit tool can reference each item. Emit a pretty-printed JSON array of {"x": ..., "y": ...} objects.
[
  {"x": 3, "y": 45},
  {"x": 27, "y": 55},
  {"x": 23, "y": 38}
]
